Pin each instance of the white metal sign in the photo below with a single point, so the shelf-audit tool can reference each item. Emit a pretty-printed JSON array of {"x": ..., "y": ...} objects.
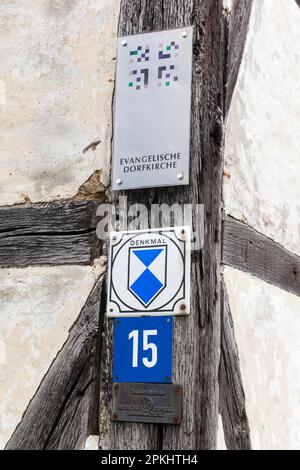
[
  {"x": 149, "y": 272},
  {"x": 152, "y": 113}
]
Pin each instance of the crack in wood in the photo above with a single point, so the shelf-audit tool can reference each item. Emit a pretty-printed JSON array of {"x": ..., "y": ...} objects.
[{"x": 45, "y": 234}]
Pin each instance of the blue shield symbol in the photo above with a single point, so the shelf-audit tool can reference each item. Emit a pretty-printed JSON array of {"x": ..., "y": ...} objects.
[{"x": 147, "y": 272}]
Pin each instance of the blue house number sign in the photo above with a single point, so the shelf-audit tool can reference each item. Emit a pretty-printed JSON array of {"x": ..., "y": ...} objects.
[{"x": 143, "y": 349}]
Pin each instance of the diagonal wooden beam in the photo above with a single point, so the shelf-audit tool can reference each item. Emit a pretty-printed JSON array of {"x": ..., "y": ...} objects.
[
  {"x": 232, "y": 406},
  {"x": 64, "y": 410},
  {"x": 248, "y": 250},
  {"x": 55, "y": 233},
  {"x": 236, "y": 29}
]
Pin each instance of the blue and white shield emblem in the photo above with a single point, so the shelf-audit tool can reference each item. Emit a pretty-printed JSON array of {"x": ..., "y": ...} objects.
[{"x": 147, "y": 270}]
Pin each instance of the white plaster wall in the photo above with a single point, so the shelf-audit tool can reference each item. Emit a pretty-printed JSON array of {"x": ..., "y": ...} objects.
[
  {"x": 38, "y": 306},
  {"x": 221, "y": 444},
  {"x": 262, "y": 154},
  {"x": 56, "y": 81},
  {"x": 267, "y": 330},
  {"x": 91, "y": 443}
]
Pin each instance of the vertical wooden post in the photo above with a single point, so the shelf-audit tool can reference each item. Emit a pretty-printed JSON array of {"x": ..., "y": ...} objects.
[{"x": 197, "y": 337}]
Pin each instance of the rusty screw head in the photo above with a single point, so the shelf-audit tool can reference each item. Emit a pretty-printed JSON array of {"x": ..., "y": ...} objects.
[
  {"x": 175, "y": 419},
  {"x": 182, "y": 307},
  {"x": 115, "y": 416}
]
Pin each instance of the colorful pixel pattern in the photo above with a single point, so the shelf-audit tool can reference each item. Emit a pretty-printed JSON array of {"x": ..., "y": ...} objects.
[
  {"x": 140, "y": 54},
  {"x": 168, "y": 51},
  {"x": 139, "y": 79},
  {"x": 167, "y": 75}
]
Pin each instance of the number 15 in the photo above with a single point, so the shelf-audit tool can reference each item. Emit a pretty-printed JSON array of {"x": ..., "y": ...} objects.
[{"x": 134, "y": 335}]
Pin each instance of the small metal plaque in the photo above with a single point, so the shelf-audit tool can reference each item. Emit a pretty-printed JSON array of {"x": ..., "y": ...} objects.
[
  {"x": 152, "y": 112},
  {"x": 147, "y": 403}
]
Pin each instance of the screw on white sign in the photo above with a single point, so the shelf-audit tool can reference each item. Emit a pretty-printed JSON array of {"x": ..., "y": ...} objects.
[{"x": 149, "y": 272}]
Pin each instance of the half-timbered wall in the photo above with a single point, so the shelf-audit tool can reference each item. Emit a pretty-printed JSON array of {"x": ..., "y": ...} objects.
[{"x": 56, "y": 110}]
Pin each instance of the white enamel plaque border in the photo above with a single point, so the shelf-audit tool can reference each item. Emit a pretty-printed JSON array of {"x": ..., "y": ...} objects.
[{"x": 149, "y": 272}]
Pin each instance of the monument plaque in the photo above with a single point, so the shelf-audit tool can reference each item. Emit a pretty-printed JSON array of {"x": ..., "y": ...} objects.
[
  {"x": 149, "y": 272},
  {"x": 152, "y": 112},
  {"x": 147, "y": 403}
]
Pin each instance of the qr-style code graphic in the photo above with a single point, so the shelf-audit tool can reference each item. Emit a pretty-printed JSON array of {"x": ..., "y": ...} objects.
[
  {"x": 139, "y": 79},
  {"x": 168, "y": 51},
  {"x": 140, "y": 54},
  {"x": 167, "y": 75}
]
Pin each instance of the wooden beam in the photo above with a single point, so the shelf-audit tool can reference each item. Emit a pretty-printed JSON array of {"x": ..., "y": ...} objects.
[
  {"x": 232, "y": 398},
  {"x": 248, "y": 250},
  {"x": 55, "y": 233},
  {"x": 197, "y": 337},
  {"x": 63, "y": 412},
  {"x": 236, "y": 29}
]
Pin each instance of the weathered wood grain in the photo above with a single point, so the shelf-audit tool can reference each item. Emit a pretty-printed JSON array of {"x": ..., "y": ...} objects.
[
  {"x": 55, "y": 233},
  {"x": 236, "y": 29},
  {"x": 248, "y": 250},
  {"x": 232, "y": 398},
  {"x": 196, "y": 338},
  {"x": 62, "y": 412}
]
